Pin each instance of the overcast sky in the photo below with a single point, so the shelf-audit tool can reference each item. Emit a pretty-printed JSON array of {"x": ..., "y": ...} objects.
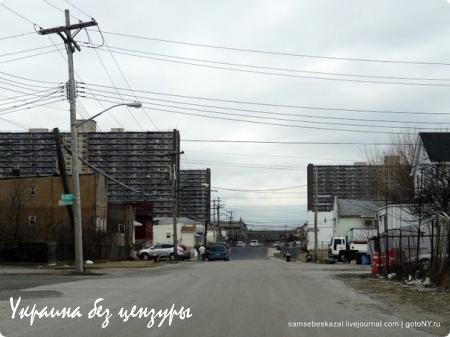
[{"x": 410, "y": 30}]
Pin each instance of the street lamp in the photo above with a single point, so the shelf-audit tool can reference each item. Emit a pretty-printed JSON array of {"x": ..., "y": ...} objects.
[
  {"x": 77, "y": 220},
  {"x": 136, "y": 105}
]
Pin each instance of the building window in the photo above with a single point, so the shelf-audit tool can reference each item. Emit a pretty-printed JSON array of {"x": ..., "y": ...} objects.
[
  {"x": 168, "y": 235},
  {"x": 100, "y": 224},
  {"x": 32, "y": 220},
  {"x": 121, "y": 228},
  {"x": 33, "y": 190}
]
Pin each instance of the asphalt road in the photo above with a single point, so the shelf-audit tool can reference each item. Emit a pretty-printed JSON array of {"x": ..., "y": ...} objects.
[
  {"x": 248, "y": 253},
  {"x": 251, "y": 295}
]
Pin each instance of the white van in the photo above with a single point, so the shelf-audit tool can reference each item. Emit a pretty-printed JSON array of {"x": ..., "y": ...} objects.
[{"x": 254, "y": 243}]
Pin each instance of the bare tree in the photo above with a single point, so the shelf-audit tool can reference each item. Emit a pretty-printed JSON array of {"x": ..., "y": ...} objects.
[
  {"x": 394, "y": 183},
  {"x": 14, "y": 218},
  {"x": 434, "y": 192}
]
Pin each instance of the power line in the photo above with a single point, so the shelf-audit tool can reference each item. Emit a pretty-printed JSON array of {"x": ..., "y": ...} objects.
[
  {"x": 24, "y": 95},
  {"x": 24, "y": 86},
  {"x": 28, "y": 79},
  {"x": 28, "y": 84},
  {"x": 16, "y": 35},
  {"x": 78, "y": 9},
  {"x": 128, "y": 83},
  {"x": 20, "y": 16},
  {"x": 279, "y": 118},
  {"x": 275, "y": 207},
  {"x": 49, "y": 97},
  {"x": 28, "y": 56},
  {"x": 281, "y": 74},
  {"x": 259, "y": 190},
  {"x": 60, "y": 10},
  {"x": 82, "y": 111},
  {"x": 275, "y": 52},
  {"x": 269, "y": 112},
  {"x": 269, "y": 167},
  {"x": 78, "y": 76},
  {"x": 265, "y": 198},
  {"x": 115, "y": 88},
  {"x": 34, "y": 106},
  {"x": 267, "y": 123},
  {"x": 266, "y": 155},
  {"x": 26, "y": 50},
  {"x": 284, "y": 69},
  {"x": 290, "y": 106},
  {"x": 20, "y": 125},
  {"x": 287, "y": 142}
]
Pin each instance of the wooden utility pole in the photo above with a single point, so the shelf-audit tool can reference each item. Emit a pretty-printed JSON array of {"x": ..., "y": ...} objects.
[
  {"x": 214, "y": 228},
  {"x": 175, "y": 164},
  {"x": 231, "y": 228},
  {"x": 63, "y": 173},
  {"x": 316, "y": 229},
  {"x": 219, "y": 237},
  {"x": 65, "y": 32}
]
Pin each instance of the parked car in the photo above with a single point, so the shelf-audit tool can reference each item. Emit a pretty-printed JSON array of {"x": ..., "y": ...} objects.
[
  {"x": 241, "y": 244},
  {"x": 277, "y": 245},
  {"x": 186, "y": 252},
  {"x": 254, "y": 243},
  {"x": 218, "y": 252},
  {"x": 163, "y": 250}
]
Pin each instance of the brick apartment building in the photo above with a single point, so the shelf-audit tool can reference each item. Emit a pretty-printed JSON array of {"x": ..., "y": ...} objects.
[
  {"x": 137, "y": 159},
  {"x": 30, "y": 211}
]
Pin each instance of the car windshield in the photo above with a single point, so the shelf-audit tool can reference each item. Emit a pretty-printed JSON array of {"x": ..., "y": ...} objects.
[{"x": 217, "y": 248}]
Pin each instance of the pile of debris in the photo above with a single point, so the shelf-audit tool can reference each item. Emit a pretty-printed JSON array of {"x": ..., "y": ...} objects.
[{"x": 426, "y": 282}]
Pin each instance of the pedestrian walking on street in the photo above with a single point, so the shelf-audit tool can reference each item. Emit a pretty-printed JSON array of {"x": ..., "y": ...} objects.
[{"x": 201, "y": 252}]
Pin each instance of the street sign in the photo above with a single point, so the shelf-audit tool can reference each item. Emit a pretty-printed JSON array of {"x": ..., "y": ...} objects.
[{"x": 66, "y": 199}]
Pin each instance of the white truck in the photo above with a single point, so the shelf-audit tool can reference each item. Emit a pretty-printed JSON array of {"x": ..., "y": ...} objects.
[{"x": 345, "y": 248}]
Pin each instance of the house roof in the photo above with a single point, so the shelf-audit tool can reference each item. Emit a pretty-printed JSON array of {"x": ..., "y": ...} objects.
[
  {"x": 180, "y": 220},
  {"x": 437, "y": 145},
  {"x": 357, "y": 208},
  {"x": 188, "y": 229}
]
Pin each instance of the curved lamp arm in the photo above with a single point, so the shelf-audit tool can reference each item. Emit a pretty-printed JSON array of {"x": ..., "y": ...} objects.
[{"x": 136, "y": 105}]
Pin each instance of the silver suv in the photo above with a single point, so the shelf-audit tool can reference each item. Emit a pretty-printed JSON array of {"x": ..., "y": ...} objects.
[{"x": 161, "y": 249}]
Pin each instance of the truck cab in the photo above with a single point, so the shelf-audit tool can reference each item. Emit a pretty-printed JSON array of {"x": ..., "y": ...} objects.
[{"x": 337, "y": 244}]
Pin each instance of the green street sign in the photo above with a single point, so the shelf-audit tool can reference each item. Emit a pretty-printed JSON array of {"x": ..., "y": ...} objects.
[{"x": 66, "y": 199}]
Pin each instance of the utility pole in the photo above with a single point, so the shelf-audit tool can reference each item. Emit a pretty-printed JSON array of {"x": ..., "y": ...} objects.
[
  {"x": 213, "y": 216},
  {"x": 65, "y": 32},
  {"x": 174, "y": 168},
  {"x": 231, "y": 227},
  {"x": 420, "y": 218},
  {"x": 208, "y": 210},
  {"x": 63, "y": 173},
  {"x": 316, "y": 242},
  {"x": 174, "y": 208},
  {"x": 218, "y": 220}
]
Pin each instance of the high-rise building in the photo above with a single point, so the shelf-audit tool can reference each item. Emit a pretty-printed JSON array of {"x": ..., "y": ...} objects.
[
  {"x": 194, "y": 194},
  {"x": 141, "y": 160},
  {"x": 359, "y": 181}
]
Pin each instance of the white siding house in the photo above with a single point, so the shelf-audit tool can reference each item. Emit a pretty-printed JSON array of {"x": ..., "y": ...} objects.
[{"x": 325, "y": 221}]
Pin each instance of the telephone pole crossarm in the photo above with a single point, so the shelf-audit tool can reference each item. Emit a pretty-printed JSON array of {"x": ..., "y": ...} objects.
[{"x": 61, "y": 29}]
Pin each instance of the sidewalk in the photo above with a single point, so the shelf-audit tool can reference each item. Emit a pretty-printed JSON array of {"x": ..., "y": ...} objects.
[{"x": 67, "y": 269}]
